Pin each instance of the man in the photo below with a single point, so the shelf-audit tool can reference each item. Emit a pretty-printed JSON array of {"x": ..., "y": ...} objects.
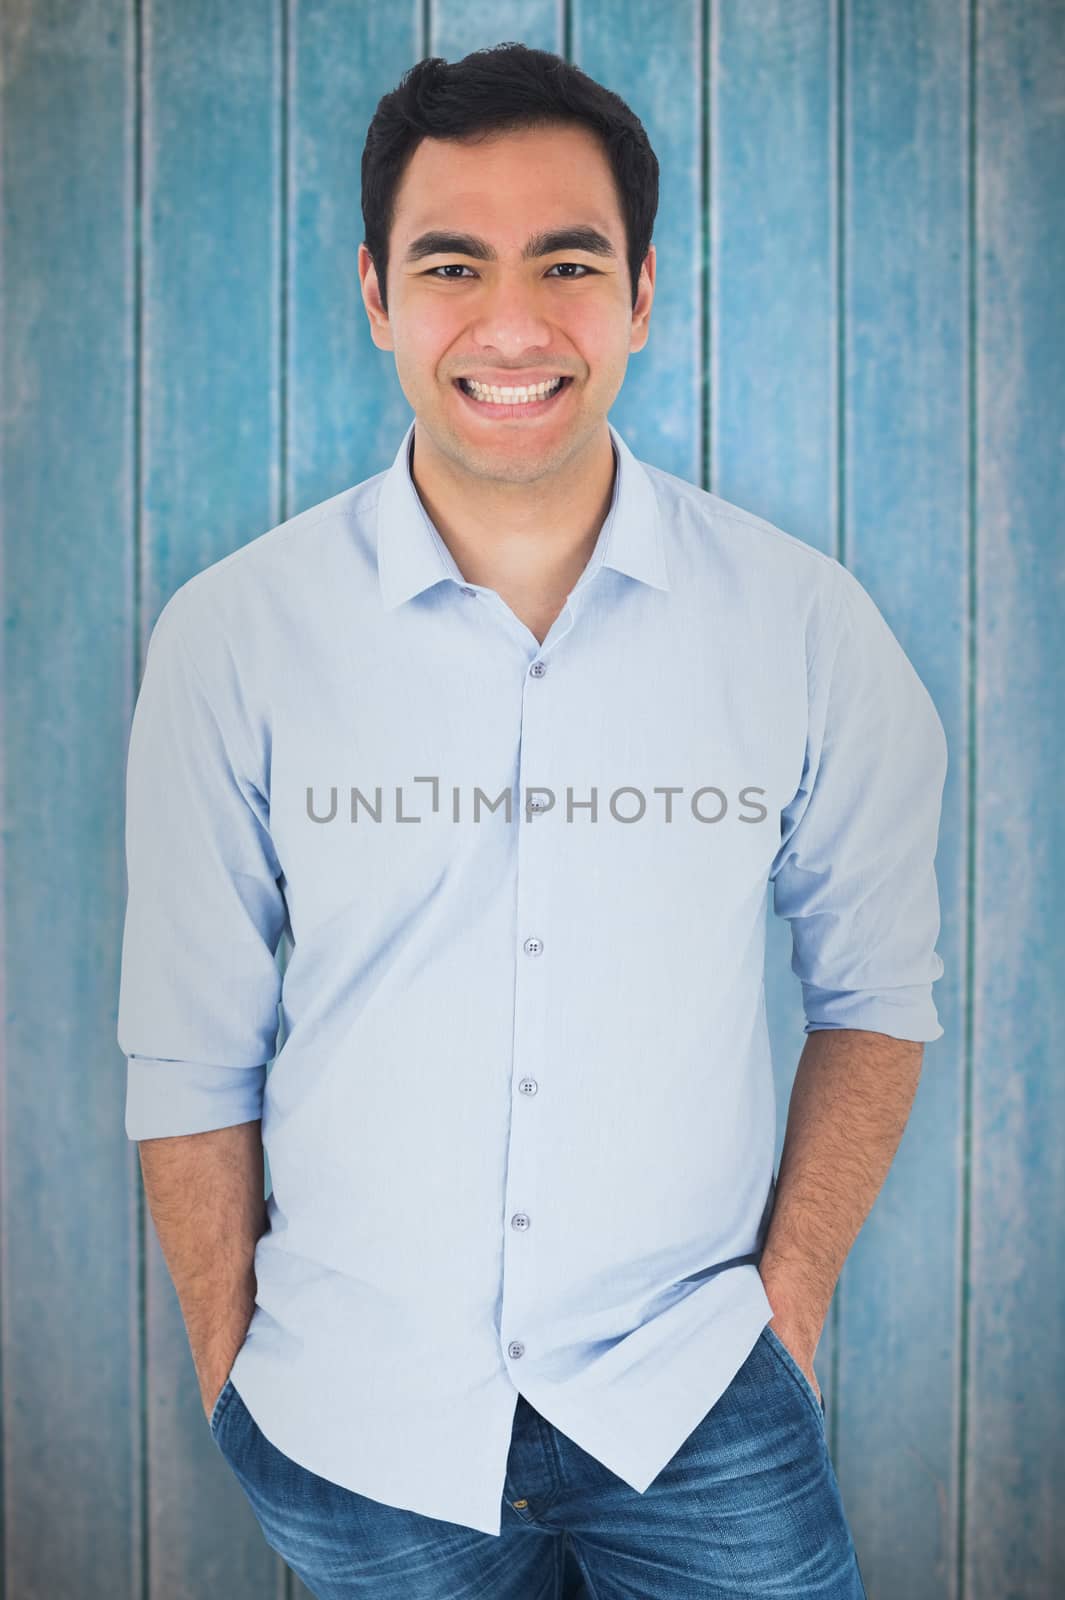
[{"x": 511, "y": 741}]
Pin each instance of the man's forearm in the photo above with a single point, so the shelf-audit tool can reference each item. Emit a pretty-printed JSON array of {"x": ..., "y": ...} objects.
[
  {"x": 206, "y": 1193},
  {"x": 850, "y": 1103}
]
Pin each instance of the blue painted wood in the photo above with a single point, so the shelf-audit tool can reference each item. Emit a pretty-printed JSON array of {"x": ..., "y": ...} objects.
[
  {"x": 210, "y": 434},
  {"x": 1014, "y": 1391},
  {"x": 344, "y": 405},
  {"x": 69, "y": 1257},
  {"x": 774, "y": 320},
  {"x": 650, "y": 55},
  {"x": 186, "y": 361},
  {"x": 904, "y": 457},
  {"x": 772, "y": 329}
]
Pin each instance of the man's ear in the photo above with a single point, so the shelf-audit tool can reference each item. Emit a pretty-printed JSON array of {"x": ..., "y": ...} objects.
[
  {"x": 641, "y": 311},
  {"x": 380, "y": 327}
]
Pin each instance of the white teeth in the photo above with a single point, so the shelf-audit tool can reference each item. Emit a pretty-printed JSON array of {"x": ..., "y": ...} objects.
[{"x": 511, "y": 396}]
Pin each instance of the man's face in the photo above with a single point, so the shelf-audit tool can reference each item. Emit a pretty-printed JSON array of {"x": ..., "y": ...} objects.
[{"x": 507, "y": 319}]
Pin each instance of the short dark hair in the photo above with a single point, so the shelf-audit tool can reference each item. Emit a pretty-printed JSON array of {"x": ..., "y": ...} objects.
[{"x": 506, "y": 87}]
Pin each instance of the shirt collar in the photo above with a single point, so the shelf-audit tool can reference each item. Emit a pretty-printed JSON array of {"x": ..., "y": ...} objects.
[{"x": 411, "y": 555}]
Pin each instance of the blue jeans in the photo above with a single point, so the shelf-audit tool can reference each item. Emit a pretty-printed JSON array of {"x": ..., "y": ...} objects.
[{"x": 748, "y": 1507}]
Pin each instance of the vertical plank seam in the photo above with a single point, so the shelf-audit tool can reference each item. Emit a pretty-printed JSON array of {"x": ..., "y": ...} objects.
[
  {"x": 969, "y": 742},
  {"x": 705, "y": 198},
  {"x": 285, "y": 33},
  {"x": 5, "y": 1210},
  {"x": 837, "y": 199},
  {"x": 286, "y": 36},
  {"x": 136, "y": 611}
]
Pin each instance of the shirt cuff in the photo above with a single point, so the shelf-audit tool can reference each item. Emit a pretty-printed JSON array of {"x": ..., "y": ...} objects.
[
  {"x": 904, "y": 1013},
  {"x": 164, "y": 1097}
]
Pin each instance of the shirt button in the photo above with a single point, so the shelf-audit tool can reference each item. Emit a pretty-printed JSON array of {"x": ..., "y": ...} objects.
[
  {"x": 515, "y": 1349},
  {"x": 537, "y": 803},
  {"x": 467, "y": 590},
  {"x": 538, "y": 669},
  {"x": 520, "y": 1220},
  {"x": 533, "y": 947},
  {"x": 528, "y": 1085}
]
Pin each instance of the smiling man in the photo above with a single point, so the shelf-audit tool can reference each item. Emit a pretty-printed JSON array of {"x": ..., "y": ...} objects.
[
  {"x": 511, "y": 345},
  {"x": 514, "y": 741}
]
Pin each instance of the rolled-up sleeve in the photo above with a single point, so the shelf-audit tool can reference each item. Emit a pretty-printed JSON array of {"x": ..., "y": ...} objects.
[
  {"x": 855, "y": 874},
  {"x": 199, "y": 985}
]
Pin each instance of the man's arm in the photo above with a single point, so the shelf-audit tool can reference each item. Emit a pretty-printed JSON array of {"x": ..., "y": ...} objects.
[
  {"x": 206, "y": 1193},
  {"x": 849, "y": 1105},
  {"x": 855, "y": 878},
  {"x": 200, "y": 985}
]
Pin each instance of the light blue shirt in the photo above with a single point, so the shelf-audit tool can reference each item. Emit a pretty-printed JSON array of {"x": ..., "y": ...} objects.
[{"x": 521, "y": 1126}]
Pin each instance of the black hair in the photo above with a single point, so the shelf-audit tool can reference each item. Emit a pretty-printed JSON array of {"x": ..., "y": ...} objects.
[{"x": 502, "y": 88}]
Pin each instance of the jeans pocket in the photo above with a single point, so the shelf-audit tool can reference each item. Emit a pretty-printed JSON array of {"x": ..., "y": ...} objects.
[
  {"x": 781, "y": 1350},
  {"x": 220, "y": 1404}
]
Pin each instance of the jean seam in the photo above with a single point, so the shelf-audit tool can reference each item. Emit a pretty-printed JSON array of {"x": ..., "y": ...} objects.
[
  {"x": 560, "y": 1567},
  {"x": 589, "y": 1585},
  {"x": 547, "y": 1432},
  {"x": 550, "y": 1450}
]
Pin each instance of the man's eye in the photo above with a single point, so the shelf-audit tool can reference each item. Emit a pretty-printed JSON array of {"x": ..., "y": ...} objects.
[{"x": 460, "y": 266}]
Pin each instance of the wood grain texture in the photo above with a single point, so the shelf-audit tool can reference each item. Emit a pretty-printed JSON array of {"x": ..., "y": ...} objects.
[
  {"x": 772, "y": 319},
  {"x": 856, "y": 334},
  {"x": 1015, "y": 1270},
  {"x": 209, "y": 406},
  {"x": 68, "y": 1253},
  {"x": 904, "y": 522}
]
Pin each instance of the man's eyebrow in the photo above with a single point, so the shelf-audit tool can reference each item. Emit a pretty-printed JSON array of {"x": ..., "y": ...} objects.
[{"x": 443, "y": 242}]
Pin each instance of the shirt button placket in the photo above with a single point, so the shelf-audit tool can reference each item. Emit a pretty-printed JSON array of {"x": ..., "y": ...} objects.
[{"x": 532, "y": 858}]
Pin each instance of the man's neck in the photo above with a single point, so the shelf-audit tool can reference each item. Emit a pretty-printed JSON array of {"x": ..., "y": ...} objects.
[{"x": 528, "y": 542}]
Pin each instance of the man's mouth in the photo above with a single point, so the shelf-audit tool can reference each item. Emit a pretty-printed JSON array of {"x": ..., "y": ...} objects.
[{"x": 512, "y": 401}]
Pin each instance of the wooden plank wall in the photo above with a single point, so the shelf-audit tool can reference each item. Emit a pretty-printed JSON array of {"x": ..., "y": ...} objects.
[{"x": 857, "y": 334}]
